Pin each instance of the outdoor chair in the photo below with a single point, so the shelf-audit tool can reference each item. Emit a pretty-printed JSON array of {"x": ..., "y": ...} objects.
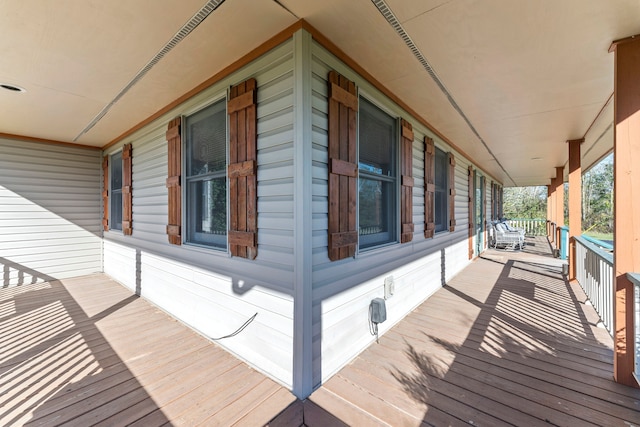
[
  {"x": 505, "y": 238},
  {"x": 510, "y": 228}
]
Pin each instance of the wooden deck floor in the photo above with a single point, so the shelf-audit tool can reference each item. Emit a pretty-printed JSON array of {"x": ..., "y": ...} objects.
[
  {"x": 86, "y": 351},
  {"x": 507, "y": 342}
]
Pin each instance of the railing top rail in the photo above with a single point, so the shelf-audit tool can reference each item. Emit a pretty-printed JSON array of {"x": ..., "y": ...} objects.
[
  {"x": 634, "y": 278},
  {"x": 526, "y": 219},
  {"x": 598, "y": 242},
  {"x": 606, "y": 256}
]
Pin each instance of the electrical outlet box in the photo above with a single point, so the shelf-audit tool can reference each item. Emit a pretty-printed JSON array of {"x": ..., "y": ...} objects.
[
  {"x": 378, "y": 311},
  {"x": 389, "y": 287}
]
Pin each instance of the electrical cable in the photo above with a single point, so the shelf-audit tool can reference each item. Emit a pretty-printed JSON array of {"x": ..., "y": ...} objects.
[
  {"x": 373, "y": 327},
  {"x": 240, "y": 329}
]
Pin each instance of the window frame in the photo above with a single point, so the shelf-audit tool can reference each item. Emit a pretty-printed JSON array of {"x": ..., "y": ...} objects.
[
  {"x": 112, "y": 192},
  {"x": 444, "y": 190},
  {"x": 219, "y": 245},
  {"x": 371, "y": 243}
]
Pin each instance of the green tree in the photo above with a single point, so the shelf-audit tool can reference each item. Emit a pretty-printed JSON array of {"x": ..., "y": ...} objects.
[
  {"x": 525, "y": 202},
  {"x": 597, "y": 197}
]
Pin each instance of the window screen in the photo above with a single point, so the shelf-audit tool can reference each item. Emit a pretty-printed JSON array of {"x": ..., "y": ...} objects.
[
  {"x": 206, "y": 175},
  {"x": 377, "y": 183},
  {"x": 116, "y": 191},
  {"x": 440, "y": 196}
]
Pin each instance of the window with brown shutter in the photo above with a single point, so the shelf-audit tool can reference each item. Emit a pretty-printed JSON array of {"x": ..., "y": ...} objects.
[
  {"x": 452, "y": 192},
  {"x": 406, "y": 213},
  {"x": 343, "y": 107},
  {"x": 127, "y": 199},
  {"x": 174, "y": 168},
  {"x": 429, "y": 187},
  {"x": 471, "y": 211},
  {"x": 105, "y": 193},
  {"x": 243, "y": 224}
]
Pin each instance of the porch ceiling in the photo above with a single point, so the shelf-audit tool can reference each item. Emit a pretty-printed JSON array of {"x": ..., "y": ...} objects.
[{"x": 527, "y": 76}]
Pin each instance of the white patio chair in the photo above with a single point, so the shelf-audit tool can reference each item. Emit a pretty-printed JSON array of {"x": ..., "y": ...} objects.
[
  {"x": 505, "y": 238},
  {"x": 511, "y": 228}
]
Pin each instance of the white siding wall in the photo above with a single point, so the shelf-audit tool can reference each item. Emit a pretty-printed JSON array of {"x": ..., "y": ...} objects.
[
  {"x": 207, "y": 289},
  {"x": 215, "y": 293},
  {"x": 50, "y": 218},
  {"x": 344, "y": 289}
]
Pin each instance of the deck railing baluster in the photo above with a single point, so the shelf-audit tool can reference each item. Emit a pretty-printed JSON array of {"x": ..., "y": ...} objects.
[
  {"x": 635, "y": 279},
  {"x": 531, "y": 226},
  {"x": 594, "y": 271}
]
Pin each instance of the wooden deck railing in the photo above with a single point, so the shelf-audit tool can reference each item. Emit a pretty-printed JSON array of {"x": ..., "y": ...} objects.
[
  {"x": 531, "y": 227},
  {"x": 594, "y": 271},
  {"x": 635, "y": 279}
]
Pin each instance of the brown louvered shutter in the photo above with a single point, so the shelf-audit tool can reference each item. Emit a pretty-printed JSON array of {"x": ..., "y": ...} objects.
[
  {"x": 127, "y": 199},
  {"x": 496, "y": 214},
  {"x": 471, "y": 213},
  {"x": 243, "y": 198},
  {"x": 406, "y": 212},
  {"x": 105, "y": 193},
  {"x": 173, "y": 181},
  {"x": 343, "y": 171},
  {"x": 429, "y": 187},
  {"x": 494, "y": 209},
  {"x": 483, "y": 185},
  {"x": 452, "y": 192},
  {"x": 493, "y": 200}
]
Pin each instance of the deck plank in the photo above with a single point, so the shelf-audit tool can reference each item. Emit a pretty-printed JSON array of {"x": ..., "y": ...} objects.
[
  {"x": 86, "y": 351},
  {"x": 506, "y": 341},
  {"x": 269, "y": 408}
]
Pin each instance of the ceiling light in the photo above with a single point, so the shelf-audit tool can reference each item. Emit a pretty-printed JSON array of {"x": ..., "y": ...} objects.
[{"x": 12, "y": 88}]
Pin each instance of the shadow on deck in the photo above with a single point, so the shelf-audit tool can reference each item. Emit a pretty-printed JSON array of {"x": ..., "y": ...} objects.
[
  {"x": 508, "y": 341},
  {"x": 85, "y": 351}
]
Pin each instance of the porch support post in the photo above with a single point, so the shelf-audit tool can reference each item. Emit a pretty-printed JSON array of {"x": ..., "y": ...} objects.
[
  {"x": 560, "y": 196},
  {"x": 626, "y": 199},
  {"x": 549, "y": 203},
  {"x": 552, "y": 210},
  {"x": 559, "y": 204},
  {"x": 575, "y": 202}
]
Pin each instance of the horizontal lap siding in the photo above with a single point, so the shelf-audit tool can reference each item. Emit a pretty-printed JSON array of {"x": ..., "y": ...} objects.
[
  {"x": 121, "y": 263},
  {"x": 342, "y": 290},
  {"x": 208, "y": 290},
  {"x": 217, "y": 304},
  {"x": 50, "y": 218}
]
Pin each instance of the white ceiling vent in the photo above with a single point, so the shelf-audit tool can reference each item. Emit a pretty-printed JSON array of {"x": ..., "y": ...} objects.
[
  {"x": 186, "y": 29},
  {"x": 393, "y": 21}
]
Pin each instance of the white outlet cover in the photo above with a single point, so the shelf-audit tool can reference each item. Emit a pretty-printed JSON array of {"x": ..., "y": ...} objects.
[{"x": 389, "y": 287}]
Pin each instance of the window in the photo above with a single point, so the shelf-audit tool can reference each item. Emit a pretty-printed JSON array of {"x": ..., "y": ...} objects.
[
  {"x": 115, "y": 201},
  {"x": 441, "y": 190},
  {"x": 206, "y": 176},
  {"x": 377, "y": 183}
]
